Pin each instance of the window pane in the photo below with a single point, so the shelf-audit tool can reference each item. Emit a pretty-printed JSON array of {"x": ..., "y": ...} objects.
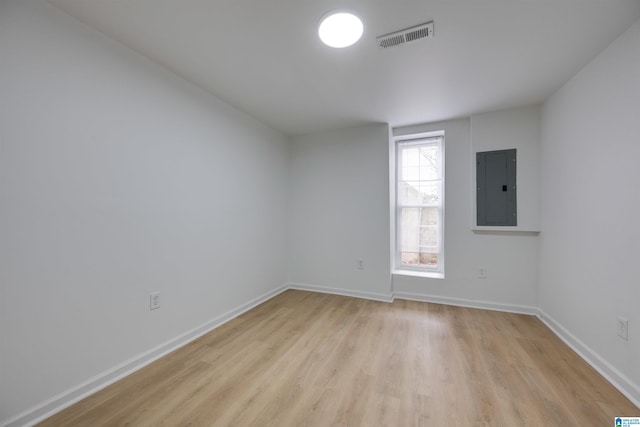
[
  {"x": 429, "y": 164},
  {"x": 409, "y": 193},
  {"x": 410, "y": 258},
  {"x": 410, "y": 233},
  {"x": 429, "y": 259},
  {"x": 410, "y": 173},
  {"x": 429, "y": 216},
  {"x": 417, "y": 193},
  {"x": 425, "y": 259},
  {"x": 411, "y": 156},
  {"x": 429, "y": 193},
  {"x": 429, "y": 237},
  {"x": 419, "y": 229}
]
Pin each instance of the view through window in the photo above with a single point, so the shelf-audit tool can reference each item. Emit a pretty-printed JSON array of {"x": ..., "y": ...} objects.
[{"x": 419, "y": 204}]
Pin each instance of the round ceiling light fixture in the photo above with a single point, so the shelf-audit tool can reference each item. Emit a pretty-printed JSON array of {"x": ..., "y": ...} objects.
[{"x": 340, "y": 29}]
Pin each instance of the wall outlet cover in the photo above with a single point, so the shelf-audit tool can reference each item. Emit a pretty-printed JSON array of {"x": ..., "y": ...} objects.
[
  {"x": 154, "y": 300},
  {"x": 623, "y": 328}
]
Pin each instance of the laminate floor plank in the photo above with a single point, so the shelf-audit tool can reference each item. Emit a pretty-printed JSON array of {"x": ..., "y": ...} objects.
[{"x": 310, "y": 359}]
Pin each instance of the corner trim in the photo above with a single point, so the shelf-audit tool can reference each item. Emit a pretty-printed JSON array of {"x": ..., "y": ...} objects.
[
  {"x": 67, "y": 398},
  {"x": 459, "y": 302},
  {"x": 597, "y": 362},
  {"x": 344, "y": 292}
]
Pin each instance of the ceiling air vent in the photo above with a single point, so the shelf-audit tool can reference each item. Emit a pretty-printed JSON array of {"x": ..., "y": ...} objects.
[{"x": 407, "y": 35}]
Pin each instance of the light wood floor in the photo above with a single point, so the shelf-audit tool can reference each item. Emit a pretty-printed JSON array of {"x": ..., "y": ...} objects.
[{"x": 308, "y": 359}]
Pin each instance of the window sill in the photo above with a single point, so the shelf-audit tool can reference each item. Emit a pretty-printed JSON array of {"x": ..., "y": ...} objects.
[{"x": 413, "y": 273}]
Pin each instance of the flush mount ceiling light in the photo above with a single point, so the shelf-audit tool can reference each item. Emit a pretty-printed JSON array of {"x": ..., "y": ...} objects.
[{"x": 340, "y": 29}]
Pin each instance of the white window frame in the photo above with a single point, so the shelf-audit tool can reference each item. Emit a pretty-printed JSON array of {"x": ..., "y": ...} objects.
[{"x": 399, "y": 268}]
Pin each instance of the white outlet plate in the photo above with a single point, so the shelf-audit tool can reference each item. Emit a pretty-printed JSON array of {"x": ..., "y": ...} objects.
[
  {"x": 360, "y": 264},
  {"x": 154, "y": 300},
  {"x": 482, "y": 273},
  {"x": 623, "y": 328}
]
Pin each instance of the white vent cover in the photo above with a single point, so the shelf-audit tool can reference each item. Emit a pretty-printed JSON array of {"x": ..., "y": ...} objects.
[{"x": 407, "y": 35}]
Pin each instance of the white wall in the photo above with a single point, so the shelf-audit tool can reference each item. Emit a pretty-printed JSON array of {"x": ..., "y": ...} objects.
[
  {"x": 339, "y": 210},
  {"x": 590, "y": 240},
  {"x": 510, "y": 259},
  {"x": 118, "y": 179},
  {"x": 517, "y": 128}
]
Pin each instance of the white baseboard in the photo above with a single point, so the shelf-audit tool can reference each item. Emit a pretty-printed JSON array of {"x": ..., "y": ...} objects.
[
  {"x": 344, "y": 292},
  {"x": 67, "y": 398},
  {"x": 459, "y": 302},
  {"x": 604, "y": 368}
]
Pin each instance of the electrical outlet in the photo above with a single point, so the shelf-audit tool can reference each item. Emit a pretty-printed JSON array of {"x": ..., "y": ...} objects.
[
  {"x": 360, "y": 264},
  {"x": 482, "y": 273},
  {"x": 154, "y": 300},
  {"x": 623, "y": 328}
]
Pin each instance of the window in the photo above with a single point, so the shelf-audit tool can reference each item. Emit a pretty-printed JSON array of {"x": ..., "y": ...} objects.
[{"x": 419, "y": 214}]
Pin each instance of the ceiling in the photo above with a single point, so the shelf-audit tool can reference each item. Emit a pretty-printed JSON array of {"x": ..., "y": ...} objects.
[{"x": 264, "y": 56}]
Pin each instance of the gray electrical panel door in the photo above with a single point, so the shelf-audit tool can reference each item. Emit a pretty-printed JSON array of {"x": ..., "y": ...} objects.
[{"x": 496, "y": 188}]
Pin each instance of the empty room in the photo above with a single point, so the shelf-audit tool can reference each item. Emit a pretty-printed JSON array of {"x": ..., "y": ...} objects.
[{"x": 319, "y": 213}]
